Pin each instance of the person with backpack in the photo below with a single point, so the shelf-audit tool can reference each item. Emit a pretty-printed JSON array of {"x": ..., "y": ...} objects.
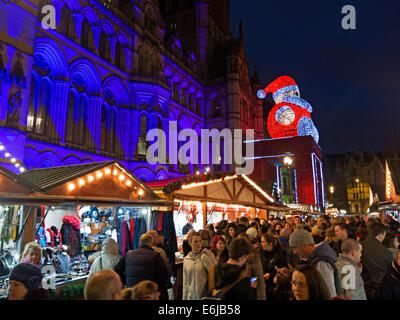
[{"x": 230, "y": 281}]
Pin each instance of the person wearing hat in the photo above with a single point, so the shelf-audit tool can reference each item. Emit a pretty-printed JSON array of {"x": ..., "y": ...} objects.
[
  {"x": 26, "y": 283},
  {"x": 252, "y": 233},
  {"x": 321, "y": 256}
]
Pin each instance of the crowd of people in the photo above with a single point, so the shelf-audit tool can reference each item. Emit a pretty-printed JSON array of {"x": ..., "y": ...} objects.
[{"x": 282, "y": 259}]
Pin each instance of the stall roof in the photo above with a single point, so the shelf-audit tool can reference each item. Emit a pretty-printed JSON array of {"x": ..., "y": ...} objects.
[
  {"x": 231, "y": 189},
  {"x": 11, "y": 182},
  {"x": 107, "y": 179},
  {"x": 51, "y": 177}
]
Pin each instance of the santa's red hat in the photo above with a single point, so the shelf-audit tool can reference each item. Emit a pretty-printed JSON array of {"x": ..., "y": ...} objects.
[{"x": 278, "y": 87}]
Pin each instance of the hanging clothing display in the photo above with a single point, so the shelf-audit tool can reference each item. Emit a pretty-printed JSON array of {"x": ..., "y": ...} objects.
[
  {"x": 171, "y": 245},
  {"x": 41, "y": 236},
  {"x": 160, "y": 221},
  {"x": 140, "y": 228},
  {"x": 131, "y": 229},
  {"x": 55, "y": 237},
  {"x": 71, "y": 235},
  {"x": 123, "y": 239}
]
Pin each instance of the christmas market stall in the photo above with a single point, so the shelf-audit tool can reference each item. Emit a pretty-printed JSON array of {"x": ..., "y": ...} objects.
[
  {"x": 74, "y": 208},
  {"x": 211, "y": 197},
  {"x": 10, "y": 221}
]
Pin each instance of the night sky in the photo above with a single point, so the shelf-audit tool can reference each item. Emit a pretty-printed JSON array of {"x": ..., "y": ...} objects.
[{"x": 350, "y": 77}]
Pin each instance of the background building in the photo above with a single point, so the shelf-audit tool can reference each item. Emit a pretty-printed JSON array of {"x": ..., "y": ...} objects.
[
  {"x": 112, "y": 70},
  {"x": 354, "y": 180}
]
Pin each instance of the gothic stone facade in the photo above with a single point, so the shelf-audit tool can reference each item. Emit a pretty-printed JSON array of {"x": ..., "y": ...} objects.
[{"x": 91, "y": 89}]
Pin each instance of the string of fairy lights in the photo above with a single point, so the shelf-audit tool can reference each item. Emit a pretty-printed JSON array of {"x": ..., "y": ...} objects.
[
  {"x": 99, "y": 174},
  {"x": 13, "y": 160}
]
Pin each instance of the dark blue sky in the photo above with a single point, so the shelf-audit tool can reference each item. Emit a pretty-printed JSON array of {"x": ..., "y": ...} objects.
[{"x": 350, "y": 77}]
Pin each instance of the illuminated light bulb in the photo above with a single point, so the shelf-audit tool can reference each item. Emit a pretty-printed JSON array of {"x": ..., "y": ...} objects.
[
  {"x": 207, "y": 169},
  {"x": 115, "y": 172},
  {"x": 1, "y": 147},
  {"x": 13, "y": 160},
  {"x": 90, "y": 178},
  {"x": 22, "y": 169},
  {"x": 140, "y": 192},
  {"x": 108, "y": 171},
  {"x": 121, "y": 177},
  {"x": 7, "y": 155},
  {"x": 99, "y": 174},
  {"x": 198, "y": 172},
  {"x": 261, "y": 94},
  {"x": 128, "y": 183},
  {"x": 81, "y": 182},
  {"x": 17, "y": 165},
  {"x": 71, "y": 187}
]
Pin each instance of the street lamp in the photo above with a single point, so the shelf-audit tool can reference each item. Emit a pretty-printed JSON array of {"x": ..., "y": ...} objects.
[
  {"x": 331, "y": 189},
  {"x": 287, "y": 161}
]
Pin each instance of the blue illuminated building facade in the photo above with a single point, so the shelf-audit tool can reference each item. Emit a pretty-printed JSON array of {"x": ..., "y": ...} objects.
[{"x": 91, "y": 89}]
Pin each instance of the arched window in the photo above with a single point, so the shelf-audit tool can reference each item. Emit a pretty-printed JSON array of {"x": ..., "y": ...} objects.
[
  {"x": 143, "y": 64},
  {"x": 216, "y": 107},
  {"x": 103, "y": 128},
  {"x": 86, "y": 35},
  {"x": 30, "y": 123},
  {"x": 198, "y": 105},
  {"x": 104, "y": 46},
  {"x": 82, "y": 133},
  {"x": 192, "y": 102},
  {"x": 112, "y": 141},
  {"x": 142, "y": 144},
  {"x": 70, "y": 127},
  {"x": 183, "y": 97},
  {"x": 119, "y": 57},
  {"x": 175, "y": 93},
  {"x": 66, "y": 22},
  {"x": 42, "y": 119}
]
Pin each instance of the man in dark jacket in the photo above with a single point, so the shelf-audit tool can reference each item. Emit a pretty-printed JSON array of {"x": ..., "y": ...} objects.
[
  {"x": 376, "y": 260},
  {"x": 229, "y": 272},
  {"x": 320, "y": 256},
  {"x": 143, "y": 264},
  {"x": 390, "y": 285}
]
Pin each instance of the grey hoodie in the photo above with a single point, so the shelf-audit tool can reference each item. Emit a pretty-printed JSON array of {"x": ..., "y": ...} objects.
[
  {"x": 109, "y": 256},
  {"x": 351, "y": 283},
  {"x": 195, "y": 274}
]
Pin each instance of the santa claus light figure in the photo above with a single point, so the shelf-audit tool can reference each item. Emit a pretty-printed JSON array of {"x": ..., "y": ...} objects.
[{"x": 290, "y": 117}]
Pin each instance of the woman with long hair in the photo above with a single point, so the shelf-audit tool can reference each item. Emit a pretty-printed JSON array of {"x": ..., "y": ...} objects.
[
  {"x": 231, "y": 233},
  {"x": 218, "y": 247},
  {"x": 308, "y": 284},
  {"x": 272, "y": 257},
  {"x": 196, "y": 266}
]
